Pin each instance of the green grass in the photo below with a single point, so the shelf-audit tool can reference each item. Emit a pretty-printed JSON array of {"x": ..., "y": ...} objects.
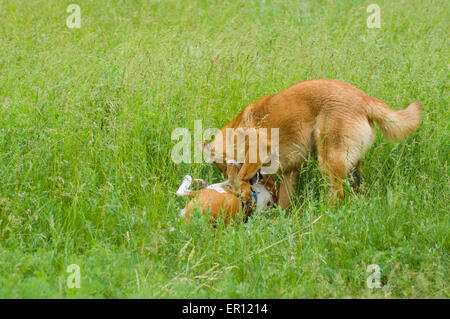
[{"x": 86, "y": 117}]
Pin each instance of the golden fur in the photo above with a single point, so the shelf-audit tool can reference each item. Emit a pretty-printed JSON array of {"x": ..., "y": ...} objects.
[{"x": 328, "y": 116}]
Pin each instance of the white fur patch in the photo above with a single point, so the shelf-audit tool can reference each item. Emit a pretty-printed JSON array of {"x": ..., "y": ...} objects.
[
  {"x": 263, "y": 196},
  {"x": 219, "y": 187}
]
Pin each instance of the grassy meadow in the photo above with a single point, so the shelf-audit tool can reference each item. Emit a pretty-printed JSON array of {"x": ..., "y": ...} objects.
[{"x": 86, "y": 176}]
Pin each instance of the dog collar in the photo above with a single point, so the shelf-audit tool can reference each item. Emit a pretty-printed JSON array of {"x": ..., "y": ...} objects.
[{"x": 255, "y": 197}]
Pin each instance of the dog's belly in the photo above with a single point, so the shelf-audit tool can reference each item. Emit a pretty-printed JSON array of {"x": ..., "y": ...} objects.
[{"x": 296, "y": 143}]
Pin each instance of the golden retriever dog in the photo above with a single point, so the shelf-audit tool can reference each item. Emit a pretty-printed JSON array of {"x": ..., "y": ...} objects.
[{"x": 331, "y": 117}]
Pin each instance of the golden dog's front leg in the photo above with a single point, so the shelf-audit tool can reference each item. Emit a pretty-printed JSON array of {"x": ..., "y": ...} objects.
[
  {"x": 238, "y": 187},
  {"x": 247, "y": 171},
  {"x": 232, "y": 175}
]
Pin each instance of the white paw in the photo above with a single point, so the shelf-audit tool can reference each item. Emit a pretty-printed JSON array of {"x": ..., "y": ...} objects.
[
  {"x": 183, "y": 190},
  {"x": 187, "y": 178}
]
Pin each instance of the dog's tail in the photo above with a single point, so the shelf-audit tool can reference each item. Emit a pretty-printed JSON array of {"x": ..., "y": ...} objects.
[{"x": 395, "y": 125}]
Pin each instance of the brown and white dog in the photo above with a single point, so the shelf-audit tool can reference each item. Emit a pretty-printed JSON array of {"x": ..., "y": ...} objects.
[
  {"x": 218, "y": 200},
  {"x": 328, "y": 116}
]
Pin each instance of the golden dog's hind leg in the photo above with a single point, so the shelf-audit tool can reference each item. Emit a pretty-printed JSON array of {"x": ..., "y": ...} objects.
[
  {"x": 335, "y": 172},
  {"x": 341, "y": 144},
  {"x": 331, "y": 155},
  {"x": 332, "y": 162}
]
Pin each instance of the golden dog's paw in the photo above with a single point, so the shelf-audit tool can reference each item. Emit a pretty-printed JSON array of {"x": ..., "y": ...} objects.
[{"x": 245, "y": 192}]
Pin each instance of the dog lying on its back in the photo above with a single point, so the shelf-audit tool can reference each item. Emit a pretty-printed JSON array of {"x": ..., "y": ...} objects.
[{"x": 218, "y": 200}]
